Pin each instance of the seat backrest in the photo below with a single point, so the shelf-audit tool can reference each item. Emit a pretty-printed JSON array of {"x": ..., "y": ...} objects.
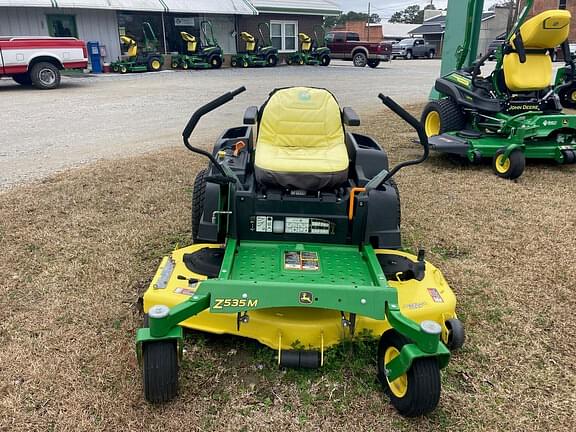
[
  {"x": 191, "y": 42},
  {"x": 544, "y": 31},
  {"x": 250, "y": 41},
  {"x": 301, "y": 117},
  {"x": 306, "y": 41}
]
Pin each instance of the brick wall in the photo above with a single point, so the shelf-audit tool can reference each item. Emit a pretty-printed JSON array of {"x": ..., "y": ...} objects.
[
  {"x": 542, "y": 5},
  {"x": 374, "y": 35}
]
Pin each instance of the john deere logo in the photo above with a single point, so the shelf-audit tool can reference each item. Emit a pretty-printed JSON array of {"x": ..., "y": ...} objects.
[{"x": 306, "y": 297}]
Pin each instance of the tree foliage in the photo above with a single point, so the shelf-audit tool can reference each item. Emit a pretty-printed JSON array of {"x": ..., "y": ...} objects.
[
  {"x": 410, "y": 15},
  {"x": 330, "y": 22}
]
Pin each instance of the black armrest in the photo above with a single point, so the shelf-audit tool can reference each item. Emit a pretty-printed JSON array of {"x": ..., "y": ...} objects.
[
  {"x": 250, "y": 115},
  {"x": 349, "y": 117}
]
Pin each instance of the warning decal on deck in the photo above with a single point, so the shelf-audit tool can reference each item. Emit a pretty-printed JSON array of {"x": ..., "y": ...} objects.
[{"x": 296, "y": 260}]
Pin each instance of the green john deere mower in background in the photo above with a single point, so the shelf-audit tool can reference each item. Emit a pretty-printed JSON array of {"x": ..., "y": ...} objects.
[
  {"x": 512, "y": 114},
  {"x": 199, "y": 54},
  {"x": 148, "y": 59},
  {"x": 312, "y": 51},
  {"x": 258, "y": 52}
]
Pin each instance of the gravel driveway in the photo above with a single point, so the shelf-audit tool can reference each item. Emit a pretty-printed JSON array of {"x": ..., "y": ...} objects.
[{"x": 110, "y": 116}]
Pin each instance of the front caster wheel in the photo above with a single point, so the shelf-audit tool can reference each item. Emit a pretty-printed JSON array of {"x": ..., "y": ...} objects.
[
  {"x": 509, "y": 168},
  {"x": 455, "y": 335},
  {"x": 415, "y": 393},
  {"x": 160, "y": 370}
]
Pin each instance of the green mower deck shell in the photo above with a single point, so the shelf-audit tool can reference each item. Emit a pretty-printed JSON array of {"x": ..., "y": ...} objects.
[{"x": 531, "y": 132}]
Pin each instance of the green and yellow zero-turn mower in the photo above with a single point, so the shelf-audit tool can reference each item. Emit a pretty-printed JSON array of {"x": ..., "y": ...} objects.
[
  {"x": 148, "y": 59},
  {"x": 203, "y": 54},
  {"x": 258, "y": 52},
  {"x": 311, "y": 52},
  {"x": 296, "y": 242},
  {"x": 512, "y": 114}
]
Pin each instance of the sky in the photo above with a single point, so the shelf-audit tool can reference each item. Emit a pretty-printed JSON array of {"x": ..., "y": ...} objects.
[{"x": 385, "y": 8}]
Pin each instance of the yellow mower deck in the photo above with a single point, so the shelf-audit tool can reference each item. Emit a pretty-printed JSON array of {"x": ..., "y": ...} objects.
[{"x": 312, "y": 328}]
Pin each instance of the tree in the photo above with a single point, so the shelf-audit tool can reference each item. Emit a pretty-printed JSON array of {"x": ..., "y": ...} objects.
[
  {"x": 330, "y": 22},
  {"x": 410, "y": 15}
]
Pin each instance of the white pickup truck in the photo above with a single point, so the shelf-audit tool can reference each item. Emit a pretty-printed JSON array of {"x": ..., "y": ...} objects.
[{"x": 38, "y": 61}]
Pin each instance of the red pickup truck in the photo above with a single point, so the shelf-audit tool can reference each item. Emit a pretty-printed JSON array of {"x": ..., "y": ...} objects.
[
  {"x": 347, "y": 45},
  {"x": 38, "y": 60}
]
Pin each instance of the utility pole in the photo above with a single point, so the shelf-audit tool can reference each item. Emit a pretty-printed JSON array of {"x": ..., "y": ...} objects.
[{"x": 368, "y": 21}]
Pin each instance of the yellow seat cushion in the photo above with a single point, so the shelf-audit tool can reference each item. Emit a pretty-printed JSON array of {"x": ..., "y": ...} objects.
[
  {"x": 301, "y": 133},
  {"x": 535, "y": 74}
]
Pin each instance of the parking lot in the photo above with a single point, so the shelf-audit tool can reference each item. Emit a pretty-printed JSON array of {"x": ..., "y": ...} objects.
[
  {"x": 111, "y": 116},
  {"x": 81, "y": 246}
]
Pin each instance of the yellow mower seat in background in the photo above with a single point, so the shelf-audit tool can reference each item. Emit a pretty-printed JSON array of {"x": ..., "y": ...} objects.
[
  {"x": 301, "y": 141},
  {"x": 191, "y": 42},
  {"x": 546, "y": 30},
  {"x": 132, "y": 45},
  {"x": 250, "y": 41},
  {"x": 306, "y": 41}
]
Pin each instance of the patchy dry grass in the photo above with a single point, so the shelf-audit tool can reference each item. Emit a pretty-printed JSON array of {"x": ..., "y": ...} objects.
[{"x": 79, "y": 248}]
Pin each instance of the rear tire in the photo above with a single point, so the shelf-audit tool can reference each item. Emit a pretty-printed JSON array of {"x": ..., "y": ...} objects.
[
  {"x": 45, "y": 76},
  {"x": 373, "y": 63},
  {"x": 418, "y": 391},
  {"x": 198, "y": 194},
  {"x": 215, "y": 62},
  {"x": 359, "y": 59},
  {"x": 271, "y": 60},
  {"x": 569, "y": 156},
  {"x": 442, "y": 116},
  {"x": 324, "y": 60},
  {"x": 23, "y": 79},
  {"x": 160, "y": 370},
  {"x": 512, "y": 168},
  {"x": 154, "y": 64}
]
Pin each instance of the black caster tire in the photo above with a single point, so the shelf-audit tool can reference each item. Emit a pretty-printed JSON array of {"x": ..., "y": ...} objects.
[
  {"x": 245, "y": 64},
  {"x": 160, "y": 370},
  {"x": 198, "y": 196},
  {"x": 373, "y": 63},
  {"x": 415, "y": 393},
  {"x": 512, "y": 168},
  {"x": 442, "y": 116},
  {"x": 455, "y": 336}
]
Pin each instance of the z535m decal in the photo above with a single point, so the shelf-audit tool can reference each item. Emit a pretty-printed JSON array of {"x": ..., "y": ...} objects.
[{"x": 234, "y": 302}]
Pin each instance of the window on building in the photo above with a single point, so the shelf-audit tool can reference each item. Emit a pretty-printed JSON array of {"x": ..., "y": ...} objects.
[
  {"x": 62, "y": 25},
  {"x": 284, "y": 35}
]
